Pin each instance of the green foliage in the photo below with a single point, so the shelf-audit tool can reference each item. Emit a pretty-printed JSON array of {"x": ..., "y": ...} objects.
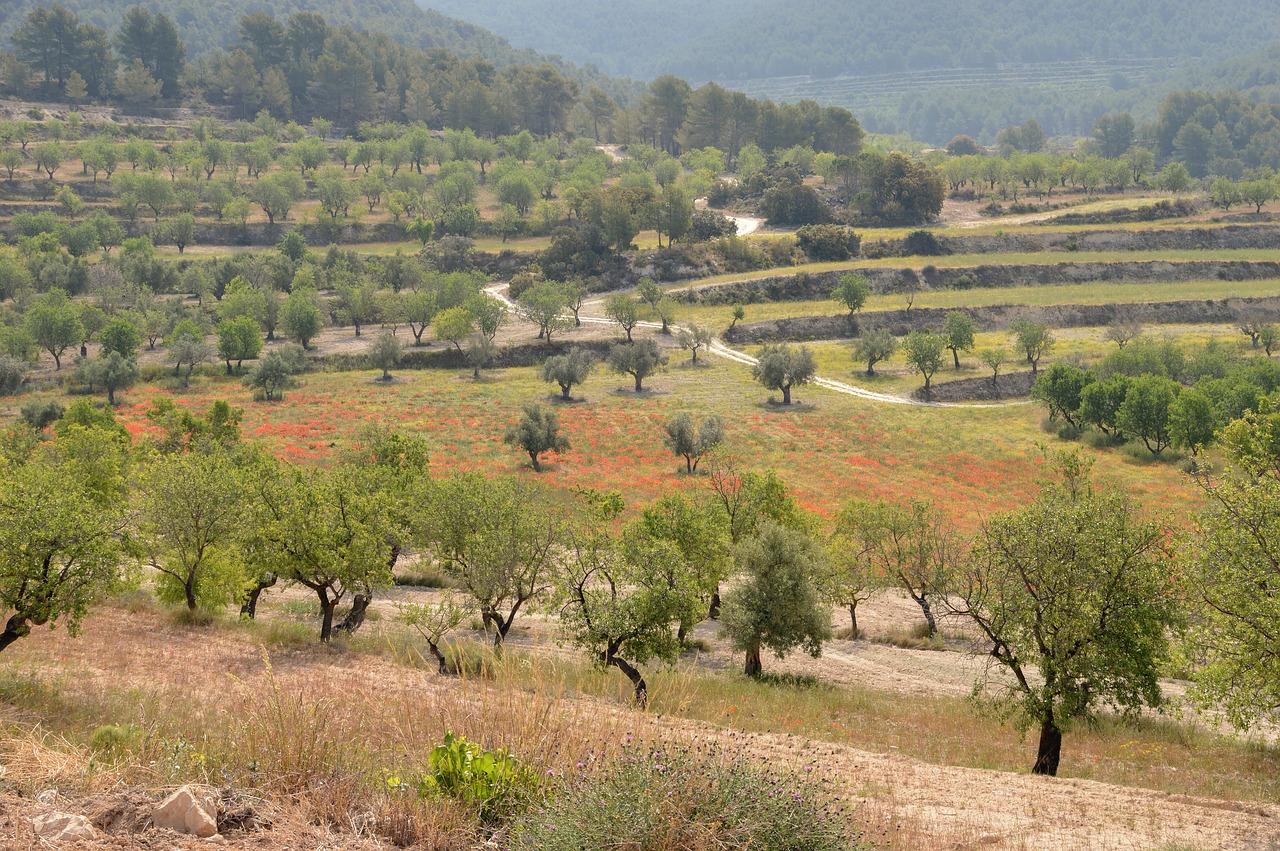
[
  {"x": 492, "y": 781},
  {"x": 923, "y": 351},
  {"x": 690, "y": 442},
  {"x": 1144, "y": 413},
  {"x": 51, "y": 514},
  {"x": 300, "y": 317},
  {"x": 1079, "y": 587},
  {"x": 828, "y": 243},
  {"x": 852, "y": 291},
  {"x": 777, "y": 605},
  {"x": 873, "y": 347},
  {"x": 1233, "y": 567},
  {"x": 537, "y": 432},
  {"x": 190, "y": 514},
  {"x": 568, "y": 370},
  {"x": 639, "y": 360},
  {"x": 779, "y": 366},
  {"x": 1059, "y": 389}
]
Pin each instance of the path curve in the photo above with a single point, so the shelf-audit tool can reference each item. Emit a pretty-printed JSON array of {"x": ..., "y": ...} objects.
[{"x": 719, "y": 349}]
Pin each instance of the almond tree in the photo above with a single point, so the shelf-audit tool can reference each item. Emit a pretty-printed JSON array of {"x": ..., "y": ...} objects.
[
  {"x": 620, "y": 599},
  {"x": 1076, "y": 596},
  {"x": 499, "y": 538},
  {"x": 329, "y": 531},
  {"x": 61, "y": 544}
]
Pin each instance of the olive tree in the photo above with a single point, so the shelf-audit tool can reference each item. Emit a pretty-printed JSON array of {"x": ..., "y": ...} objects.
[
  {"x": 568, "y": 370},
  {"x": 777, "y": 606},
  {"x": 691, "y": 442},
  {"x": 873, "y": 347},
  {"x": 781, "y": 367},
  {"x": 639, "y": 360},
  {"x": 1075, "y": 594},
  {"x": 923, "y": 350},
  {"x": 694, "y": 337},
  {"x": 536, "y": 432},
  {"x": 385, "y": 353}
]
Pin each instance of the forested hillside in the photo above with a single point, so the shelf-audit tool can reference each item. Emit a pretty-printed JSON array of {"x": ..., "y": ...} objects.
[
  {"x": 208, "y": 26},
  {"x": 750, "y": 39},
  {"x": 922, "y": 67}
]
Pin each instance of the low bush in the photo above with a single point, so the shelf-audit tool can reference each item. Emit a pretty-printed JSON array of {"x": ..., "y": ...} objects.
[{"x": 674, "y": 798}]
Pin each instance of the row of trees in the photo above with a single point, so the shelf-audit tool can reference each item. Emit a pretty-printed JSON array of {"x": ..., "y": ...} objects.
[{"x": 1153, "y": 391}]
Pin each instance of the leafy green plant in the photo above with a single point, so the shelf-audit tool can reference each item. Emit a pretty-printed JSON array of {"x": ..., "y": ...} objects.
[{"x": 486, "y": 779}]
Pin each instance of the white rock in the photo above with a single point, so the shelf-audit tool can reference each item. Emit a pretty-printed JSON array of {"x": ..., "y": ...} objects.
[
  {"x": 63, "y": 827},
  {"x": 191, "y": 810}
]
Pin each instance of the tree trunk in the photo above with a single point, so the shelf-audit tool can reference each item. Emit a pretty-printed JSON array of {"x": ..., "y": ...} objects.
[
  {"x": 16, "y": 627},
  {"x": 853, "y": 619},
  {"x": 639, "y": 384},
  {"x": 928, "y": 615},
  {"x": 533, "y": 458},
  {"x": 189, "y": 591},
  {"x": 1050, "y": 750},
  {"x": 249, "y": 608},
  {"x": 637, "y": 679},
  {"x": 955, "y": 353},
  {"x": 786, "y": 394},
  {"x": 753, "y": 668},
  {"x": 440, "y": 659},
  {"x": 326, "y": 616},
  {"x": 355, "y": 617},
  {"x": 713, "y": 611}
]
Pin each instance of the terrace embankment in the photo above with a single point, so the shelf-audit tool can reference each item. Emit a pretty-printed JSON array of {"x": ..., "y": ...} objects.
[
  {"x": 1001, "y": 316},
  {"x": 806, "y": 286}
]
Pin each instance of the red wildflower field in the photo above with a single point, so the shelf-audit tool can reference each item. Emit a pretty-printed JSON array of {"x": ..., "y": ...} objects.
[{"x": 971, "y": 462}]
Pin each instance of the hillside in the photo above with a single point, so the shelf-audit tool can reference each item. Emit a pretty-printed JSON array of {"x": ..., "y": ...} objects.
[
  {"x": 206, "y": 27},
  {"x": 756, "y": 38},
  {"x": 921, "y": 67}
]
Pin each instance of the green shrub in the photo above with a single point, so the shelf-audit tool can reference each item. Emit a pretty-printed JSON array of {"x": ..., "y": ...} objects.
[
  {"x": 112, "y": 740},
  {"x": 491, "y": 780},
  {"x": 673, "y": 798}
]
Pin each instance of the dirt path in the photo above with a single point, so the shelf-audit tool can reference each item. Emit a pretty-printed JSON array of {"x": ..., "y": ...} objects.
[{"x": 719, "y": 349}]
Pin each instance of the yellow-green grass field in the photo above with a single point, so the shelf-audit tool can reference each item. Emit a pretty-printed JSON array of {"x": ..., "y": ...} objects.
[{"x": 718, "y": 317}]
